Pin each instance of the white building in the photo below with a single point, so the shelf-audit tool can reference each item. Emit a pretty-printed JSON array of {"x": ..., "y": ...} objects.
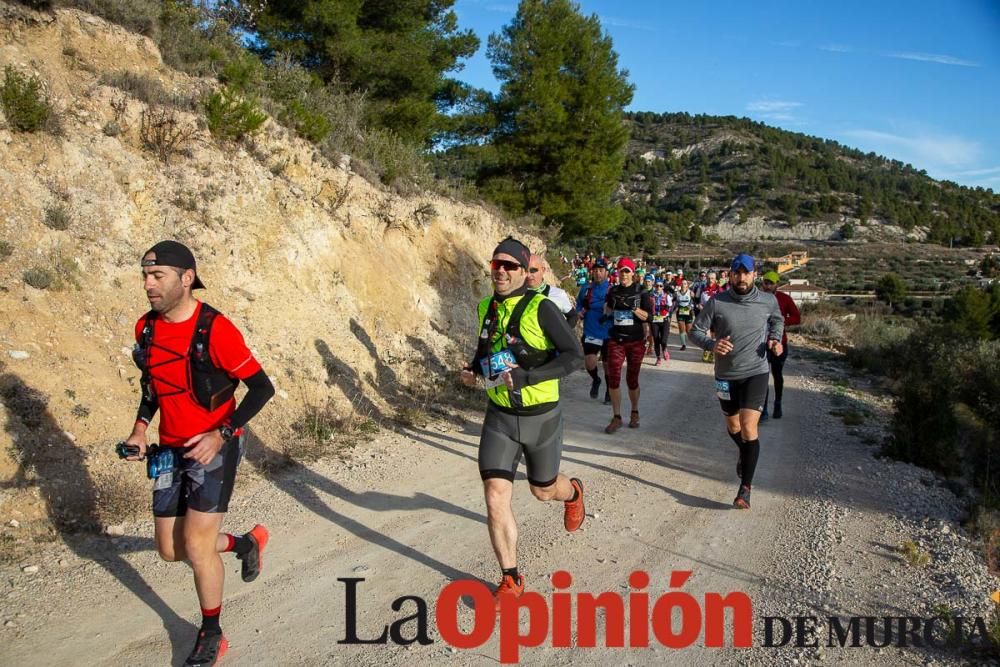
[{"x": 802, "y": 292}]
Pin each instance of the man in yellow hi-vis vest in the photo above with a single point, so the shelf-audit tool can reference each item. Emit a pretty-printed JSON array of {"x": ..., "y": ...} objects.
[{"x": 525, "y": 346}]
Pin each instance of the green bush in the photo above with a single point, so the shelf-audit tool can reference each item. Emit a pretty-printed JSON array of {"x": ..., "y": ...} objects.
[
  {"x": 57, "y": 217},
  {"x": 231, "y": 117},
  {"x": 39, "y": 277},
  {"x": 24, "y": 103},
  {"x": 299, "y": 100},
  {"x": 194, "y": 40},
  {"x": 876, "y": 344},
  {"x": 243, "y": 73}
]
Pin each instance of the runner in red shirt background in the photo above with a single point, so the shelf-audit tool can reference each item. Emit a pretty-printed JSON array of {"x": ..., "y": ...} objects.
[
  {"x": 192, "y": 359},
  {"x": 790, "y": 311}
]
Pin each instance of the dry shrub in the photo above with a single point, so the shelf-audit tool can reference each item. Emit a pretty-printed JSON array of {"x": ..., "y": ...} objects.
[
  {"x": 164, "y": 132},
  {"x": 824, "y": 328},
  {"x": 146, "y": 89},
  {"x": 121, "y": 495},
  {"x": 57, "y": 217}
]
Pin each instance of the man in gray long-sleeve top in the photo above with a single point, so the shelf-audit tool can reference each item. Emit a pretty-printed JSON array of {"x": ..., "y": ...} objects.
[{"x": 740, "y": 325}]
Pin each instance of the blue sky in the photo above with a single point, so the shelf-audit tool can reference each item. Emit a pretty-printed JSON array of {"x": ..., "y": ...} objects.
[{"x": 912, "y": 80}]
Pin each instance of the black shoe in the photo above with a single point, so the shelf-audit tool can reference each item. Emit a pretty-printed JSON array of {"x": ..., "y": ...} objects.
[
  {"x": 763, "y": 415},
  {"x": 208, "y": 649},
  {"x": 607, "y": 397},
  {"x": 253, "y": 560},
  {"x": 742, "y": 501},
  {"x": 594, "y": 386},
  {"x": 777, "y": 410},
  {"x": 683, "y": 347}
]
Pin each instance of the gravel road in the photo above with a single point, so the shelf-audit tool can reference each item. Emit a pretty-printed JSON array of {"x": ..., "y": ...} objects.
[{"x": 405, "y": 512}]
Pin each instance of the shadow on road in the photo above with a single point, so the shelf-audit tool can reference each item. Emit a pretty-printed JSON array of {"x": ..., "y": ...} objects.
[{"x": 49, "y": 459}]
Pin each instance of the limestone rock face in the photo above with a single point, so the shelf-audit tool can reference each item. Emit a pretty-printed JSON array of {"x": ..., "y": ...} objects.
[{"x": 346, "y": 292}]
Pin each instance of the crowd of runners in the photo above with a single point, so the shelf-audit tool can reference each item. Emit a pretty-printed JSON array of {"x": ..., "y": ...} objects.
[
  {"x": 624, "y": 312},
  {"x": 531, "y": 335}
]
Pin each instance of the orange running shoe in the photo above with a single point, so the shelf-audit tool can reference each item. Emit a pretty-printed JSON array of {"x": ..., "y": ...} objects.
[
  {"x": 574, "y": 514},
  {"x": 253, "y": 560},
  {"x": 509, "y": 587}
]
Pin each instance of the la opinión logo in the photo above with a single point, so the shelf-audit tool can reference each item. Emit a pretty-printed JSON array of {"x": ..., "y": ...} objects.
[
  {"x": 676, "y": 619},
  {"x": 552, "y": 617}
]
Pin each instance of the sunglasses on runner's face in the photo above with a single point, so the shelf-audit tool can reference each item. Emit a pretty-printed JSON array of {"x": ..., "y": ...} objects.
[
  {"x": 498, "y": 264},
  {"x": 534, "y": 270}
]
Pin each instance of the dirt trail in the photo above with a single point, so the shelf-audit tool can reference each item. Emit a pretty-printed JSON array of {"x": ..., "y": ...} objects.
[{"x": 406, "y": 513}]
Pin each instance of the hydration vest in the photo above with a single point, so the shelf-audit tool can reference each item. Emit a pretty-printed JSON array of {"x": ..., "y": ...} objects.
[
  {"x": 523, "y": 336},
  {"x": 210, "y": 385}
]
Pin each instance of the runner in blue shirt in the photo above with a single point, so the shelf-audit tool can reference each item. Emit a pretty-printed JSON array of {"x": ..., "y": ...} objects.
[{"x": 590, "y": 305}]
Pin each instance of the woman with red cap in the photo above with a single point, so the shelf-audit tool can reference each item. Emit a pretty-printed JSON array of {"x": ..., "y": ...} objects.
[{"x": 629, "y": 307}]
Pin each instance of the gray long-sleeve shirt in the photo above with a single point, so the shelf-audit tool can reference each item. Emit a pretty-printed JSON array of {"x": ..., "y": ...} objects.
[{"x": 750, "y": 320}]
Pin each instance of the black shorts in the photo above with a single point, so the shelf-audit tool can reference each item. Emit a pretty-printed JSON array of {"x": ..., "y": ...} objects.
[
  {"x": 505, "y": 437},
  {"x": 746, "y": 394},
  {"x": 685, "y": 318},
  {"x": 593, "y": 348},
  {"x": 191, "y": 485}
]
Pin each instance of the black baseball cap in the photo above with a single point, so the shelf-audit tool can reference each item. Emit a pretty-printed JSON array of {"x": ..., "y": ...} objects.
[{"x": 172, "y": 253}]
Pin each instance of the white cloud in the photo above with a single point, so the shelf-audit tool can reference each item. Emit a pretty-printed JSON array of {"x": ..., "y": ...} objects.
[
  {"x": 941, "y": 59},
  {"x": 979, "y": 172},
  {"x": 772, "y": 106},
  {"x": 836, "y": 48},
  {"x": 934, "y": 153},
  {"x": 782, "y": 117},
  {"x": 625, "y": 23}
]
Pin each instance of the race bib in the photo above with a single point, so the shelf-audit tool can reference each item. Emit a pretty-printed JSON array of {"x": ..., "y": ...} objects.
[
  {"x": 160, "y": 463},
  {"x": 494, "y": 366},
  {"x": 623, "y": 318},
  {"x": 163, "y": 481},
  {"x": 593, "y": 341},
  {"x": 683, "y": 311},
  {"x": 658, "y": 318},
  {"x": 722, "y": 390}
]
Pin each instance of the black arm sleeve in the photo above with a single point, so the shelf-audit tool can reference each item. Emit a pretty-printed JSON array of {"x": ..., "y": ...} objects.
[
  {"x": 147, "y": 408},
  {"x": 570, "y": 356},
  {"x": 647, "y": 305},
  {"x": 572, "y": 318},
  {"x": 260, "y": 391}
]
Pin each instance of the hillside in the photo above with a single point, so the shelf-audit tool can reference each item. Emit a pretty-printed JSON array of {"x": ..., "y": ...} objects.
[
  {"x": 353, "y": 298},
  {"x": 734, "y": 178}
]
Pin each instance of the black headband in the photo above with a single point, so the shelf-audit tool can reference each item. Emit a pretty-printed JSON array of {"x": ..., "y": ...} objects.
[{"x": 514, "y": 248}]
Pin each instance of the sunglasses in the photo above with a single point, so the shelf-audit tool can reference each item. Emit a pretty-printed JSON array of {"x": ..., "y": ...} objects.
[
  {"x": 509, "y": 267},
  {"x": 534, "y": 270}
]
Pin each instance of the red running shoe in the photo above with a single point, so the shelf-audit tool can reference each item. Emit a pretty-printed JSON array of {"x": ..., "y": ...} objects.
[{"x": 574, "y": 513}]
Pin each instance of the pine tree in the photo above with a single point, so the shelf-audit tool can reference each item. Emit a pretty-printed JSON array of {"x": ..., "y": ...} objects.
[
  {"x": 560, "y": 136},
  {"x": 396, "y": 51}
]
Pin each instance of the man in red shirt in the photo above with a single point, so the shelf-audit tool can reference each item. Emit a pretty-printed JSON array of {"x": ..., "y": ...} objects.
[
  {"x": 192, "y": 359},
  {"x": 792, "y": 317}
]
